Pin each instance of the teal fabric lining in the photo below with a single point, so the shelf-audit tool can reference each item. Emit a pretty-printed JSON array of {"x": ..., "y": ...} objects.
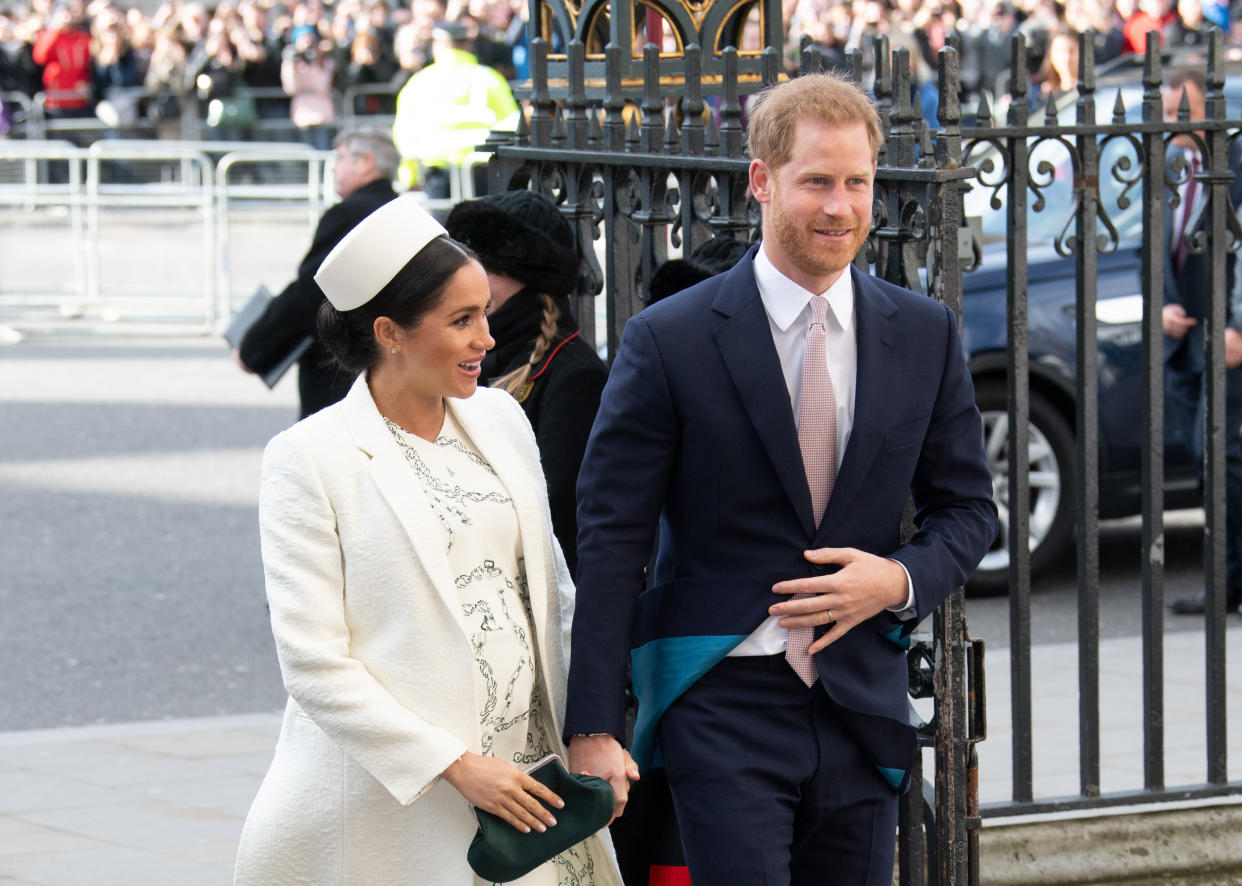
[
  {"x": 899, "y": 637},
  {"x": 661, "y": 671},
  {"x": 894, "y": 777}
]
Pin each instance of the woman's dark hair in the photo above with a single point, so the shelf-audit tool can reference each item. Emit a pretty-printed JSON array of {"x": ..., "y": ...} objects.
[{"x": 415, "y": 290}]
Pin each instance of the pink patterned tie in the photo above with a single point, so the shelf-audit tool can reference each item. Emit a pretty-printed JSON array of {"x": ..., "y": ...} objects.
[{"x": 817, "y": 436}]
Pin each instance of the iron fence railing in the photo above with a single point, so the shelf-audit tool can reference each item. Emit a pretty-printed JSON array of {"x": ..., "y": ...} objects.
[{"x": 1116, "y": 158}]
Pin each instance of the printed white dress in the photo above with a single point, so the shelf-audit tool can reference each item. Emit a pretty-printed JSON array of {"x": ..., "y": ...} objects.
[{"x": 483, "y": 544}]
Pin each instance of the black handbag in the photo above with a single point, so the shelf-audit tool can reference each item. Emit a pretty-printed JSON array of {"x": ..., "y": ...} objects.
[{"x": 500, "y": 852}]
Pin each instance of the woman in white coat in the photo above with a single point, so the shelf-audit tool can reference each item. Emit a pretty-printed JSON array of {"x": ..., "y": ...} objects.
[{"x": 420, "y": 604}]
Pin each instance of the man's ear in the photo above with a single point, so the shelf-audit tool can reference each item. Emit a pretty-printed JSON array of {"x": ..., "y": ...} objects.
[{"x": 760, "y": 181}]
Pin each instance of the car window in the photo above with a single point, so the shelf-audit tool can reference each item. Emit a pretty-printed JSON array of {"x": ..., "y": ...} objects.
[{"x": 1050, "y": 201}]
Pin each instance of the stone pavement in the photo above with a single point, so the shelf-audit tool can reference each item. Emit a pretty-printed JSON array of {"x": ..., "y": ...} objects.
[
  {"x": 163, "y": 802},
  {"x": 137, "y": 804}
]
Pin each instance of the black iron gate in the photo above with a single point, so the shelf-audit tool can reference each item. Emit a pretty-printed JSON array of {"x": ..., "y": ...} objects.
[{"x": 1128, "y": 160}]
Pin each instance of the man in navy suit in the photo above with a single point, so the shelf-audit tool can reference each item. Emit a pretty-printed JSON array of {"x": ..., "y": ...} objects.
[
  {"x": 1186, "y": 294},
  {"x": 778, "y": 775}
]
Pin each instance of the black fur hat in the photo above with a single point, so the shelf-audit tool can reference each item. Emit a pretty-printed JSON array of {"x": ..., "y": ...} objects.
[
  {"x": 714, "y": 257},
  {"x": 519, "y": 234}
]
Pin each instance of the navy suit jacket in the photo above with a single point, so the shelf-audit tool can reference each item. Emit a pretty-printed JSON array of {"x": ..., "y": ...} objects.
[
  {"x": 696, "y": 433},
  {"x": 1187, "y": 285}
]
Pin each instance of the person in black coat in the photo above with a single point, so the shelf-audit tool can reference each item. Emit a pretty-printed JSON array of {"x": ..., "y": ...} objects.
[
  {"x": 527, "y": 248},
  {"x": 365, "y": 165}
]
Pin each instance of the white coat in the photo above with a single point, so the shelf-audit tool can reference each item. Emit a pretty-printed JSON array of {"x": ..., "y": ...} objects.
[{"x": 374, "y": 653}]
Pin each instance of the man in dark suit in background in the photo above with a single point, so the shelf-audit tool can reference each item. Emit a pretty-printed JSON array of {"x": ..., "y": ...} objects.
[
  {"x": 1185, "y": 302},
  {"x": 773, "y": 421},
  {"x": 364, "y": 167}
]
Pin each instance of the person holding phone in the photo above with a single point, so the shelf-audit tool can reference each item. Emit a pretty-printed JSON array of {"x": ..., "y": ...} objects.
[{"x": 419, "y": 602}]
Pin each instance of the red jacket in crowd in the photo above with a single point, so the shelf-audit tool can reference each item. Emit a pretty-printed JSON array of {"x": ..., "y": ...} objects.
[{"x": 66, "y": 59}]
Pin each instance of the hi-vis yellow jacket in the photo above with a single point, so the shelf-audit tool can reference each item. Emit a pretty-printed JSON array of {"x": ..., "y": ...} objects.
[{"x": 447, "y": 109}]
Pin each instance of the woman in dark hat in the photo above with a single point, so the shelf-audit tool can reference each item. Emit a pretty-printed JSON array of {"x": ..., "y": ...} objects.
[{"x": 527, "y": 248}]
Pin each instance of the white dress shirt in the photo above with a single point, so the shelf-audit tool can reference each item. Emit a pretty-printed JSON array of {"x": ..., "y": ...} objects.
[{"x": 788, "y": 307}]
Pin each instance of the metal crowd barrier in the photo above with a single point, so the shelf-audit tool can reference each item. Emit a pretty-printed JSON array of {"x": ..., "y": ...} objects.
[
  {"x": 314, "y": 193},
  {"x": 24, "y": 189},
  {"x": 33, "y": 121},
  {"x": 139, "y": 231},
  {"x": 159, "y": 234}
]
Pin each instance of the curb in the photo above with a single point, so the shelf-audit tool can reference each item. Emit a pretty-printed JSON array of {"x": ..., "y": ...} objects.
[{"x": 1182, "y": 846}]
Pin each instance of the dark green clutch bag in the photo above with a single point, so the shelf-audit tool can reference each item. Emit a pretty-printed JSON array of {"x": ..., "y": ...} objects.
[{"x": 500, "y": 852}]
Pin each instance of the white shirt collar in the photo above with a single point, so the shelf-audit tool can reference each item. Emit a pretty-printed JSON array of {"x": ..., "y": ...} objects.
[{"x": 785, "y": 300}]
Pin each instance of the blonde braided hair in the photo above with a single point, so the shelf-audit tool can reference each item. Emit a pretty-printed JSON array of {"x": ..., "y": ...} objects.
[{"x": 518, "y": 381}]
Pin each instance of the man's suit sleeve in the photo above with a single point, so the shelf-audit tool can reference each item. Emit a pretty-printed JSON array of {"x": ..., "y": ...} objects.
[
  {"x": 951, "y": 488},
  {"x": 291, "y": 315},
  {"x": 621, "y": 490},
  {"x": 1233, "y": 304}
]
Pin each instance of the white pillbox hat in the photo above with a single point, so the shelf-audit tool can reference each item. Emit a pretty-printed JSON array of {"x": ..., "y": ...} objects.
[{"x": 372, "y": 253}]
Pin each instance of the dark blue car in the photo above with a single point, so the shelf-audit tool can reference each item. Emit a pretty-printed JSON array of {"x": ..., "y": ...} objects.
[{"x": 1051, "y": 337}]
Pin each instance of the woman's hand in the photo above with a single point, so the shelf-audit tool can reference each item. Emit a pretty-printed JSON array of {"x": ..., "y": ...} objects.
[{"x": 496, "y": 787}]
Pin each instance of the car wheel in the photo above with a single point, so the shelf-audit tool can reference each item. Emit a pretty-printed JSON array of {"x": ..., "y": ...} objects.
[{"x": 1051, "y": 450}]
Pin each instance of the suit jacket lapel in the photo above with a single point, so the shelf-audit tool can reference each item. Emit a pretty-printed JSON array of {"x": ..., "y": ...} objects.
[
  {"x": 745, "y": 342},
  {"x": 501, "y": 453},
  {"x": 878, "y": 341},
  {"x": 397, "y": 483}
]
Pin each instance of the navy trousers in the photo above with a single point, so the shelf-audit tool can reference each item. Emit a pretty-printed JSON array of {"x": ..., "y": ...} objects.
[
  {"x": 1185, "y": 406},
  {"x": 769, "y": 789}
]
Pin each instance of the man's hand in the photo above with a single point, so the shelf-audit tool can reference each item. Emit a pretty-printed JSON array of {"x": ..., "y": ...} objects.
[
  {"x": 1233, "y": 348},
  {"x": 865, "y": 585},
  {"x": 238, "y": 360},
  {"x": 1175, "y": 322},
  {"x": 603, "y": 756}
]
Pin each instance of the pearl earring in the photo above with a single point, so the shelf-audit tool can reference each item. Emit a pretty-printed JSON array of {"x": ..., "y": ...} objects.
[{"x": 394, "y": 350}]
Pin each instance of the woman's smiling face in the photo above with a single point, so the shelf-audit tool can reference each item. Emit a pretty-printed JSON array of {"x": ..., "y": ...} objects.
[{"x": 440, "y": 356}]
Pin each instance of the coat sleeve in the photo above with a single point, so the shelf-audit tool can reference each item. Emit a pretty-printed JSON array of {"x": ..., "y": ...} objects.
[
  {"x": 43, "y": 45},
  {"x": 952, "y": 489},
  {"x": 1233, "y": 304},
  {"x": 303, "y": 563},
  {"x": 621, "y": 489},
  {"x": 291, "y": 315}
]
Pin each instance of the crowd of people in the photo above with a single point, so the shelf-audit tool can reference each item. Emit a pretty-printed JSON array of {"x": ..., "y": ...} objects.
[
  {"x": 101, "y": 57},
  {"x": 82, "y": 53}
]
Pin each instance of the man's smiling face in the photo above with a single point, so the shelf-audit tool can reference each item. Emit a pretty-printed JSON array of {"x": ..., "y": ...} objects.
[{"x": 818, "y": 203}]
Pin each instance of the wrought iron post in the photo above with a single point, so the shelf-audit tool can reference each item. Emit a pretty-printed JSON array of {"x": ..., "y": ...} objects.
[
  {"x": 1087, "y": 244},
  {"x": 1154, "y": 250},
  {"x": 1017, "y": 384},
  {"x": 1217, "y": 177}
]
